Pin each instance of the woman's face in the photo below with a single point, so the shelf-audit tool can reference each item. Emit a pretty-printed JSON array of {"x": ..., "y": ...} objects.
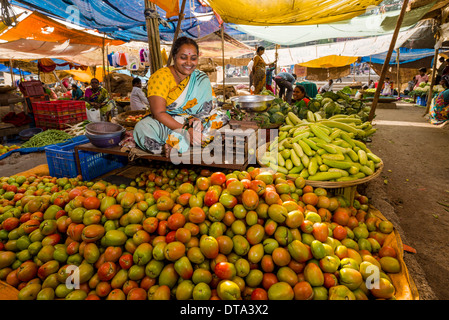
[
  {"x": 298, "y": 94},
  {"x": 94, "y": 84},
  {"x": 186, "y": 60}
]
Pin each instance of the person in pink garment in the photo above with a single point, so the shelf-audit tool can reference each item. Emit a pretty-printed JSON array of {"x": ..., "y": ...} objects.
[{"x": 421, "y": 77}]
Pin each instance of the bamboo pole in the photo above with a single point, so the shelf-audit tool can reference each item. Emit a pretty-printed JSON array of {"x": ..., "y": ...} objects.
[
  {"x": 153, "y": 36},
  {"x": 224, "y": 66},
  {"x": 178, "y": 28},
  {"x": 432, "y": 82},
  {"x": 12, "y": 73},
  {"x": 397, "y": 73},
  {"x": 104, "y": 63},
  {"x": 108, "y": 82},
  {"x": 275, "y": 67},
  {"x": 387, "y": 60},
  {"x": 369, "y": 69}
]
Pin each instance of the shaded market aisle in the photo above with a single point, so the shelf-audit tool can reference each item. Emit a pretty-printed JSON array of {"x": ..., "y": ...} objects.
[{"x": 410, "y": 191}]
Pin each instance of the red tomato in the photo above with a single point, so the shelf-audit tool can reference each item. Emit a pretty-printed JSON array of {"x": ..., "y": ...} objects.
[
  {"x": 126, "y": 261},
  {"x": 217, "y": 178},
  {"x": 259, "y": 294},
  {"x": 107, "y": 271}
]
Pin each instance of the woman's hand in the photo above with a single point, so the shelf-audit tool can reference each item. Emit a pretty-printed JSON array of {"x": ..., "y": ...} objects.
[
  {"x": 196, "y": 124},
  {"x": 195, "y": 136}
]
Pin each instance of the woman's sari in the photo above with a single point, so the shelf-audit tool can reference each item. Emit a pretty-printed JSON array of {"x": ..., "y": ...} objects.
[
  {"x": 439, "y": 111},
  {"x": 260, "y": 74},
  {"x": 101, "y": 96},
  {"x": 195, "y": 101}
]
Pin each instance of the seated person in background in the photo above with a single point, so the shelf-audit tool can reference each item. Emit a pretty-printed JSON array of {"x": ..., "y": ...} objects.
[
  {"x": 300, "y": 101},
  {"x": 138, "y": 101},
  {"x": 421, "y": 77},
  {"x": 49, "y": 91},
  {"x": 439, "y": 111},
  {"x": 327, "y": 87},
  {"x": 97, "y": 97},
  {"x": 371, "y": 85},
  {"x": 410, "y": 86},
  {"x": 77, "y": 93},
  {"x": 285, "y": 81},
  {"x": 359, "y": 94}
]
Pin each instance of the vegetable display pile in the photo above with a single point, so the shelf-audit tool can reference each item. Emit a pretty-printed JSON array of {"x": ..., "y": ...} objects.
[
  {"x": 330, "y": 103},
  {"x": 423, "y": 90},
  {"x": 213, "y": 236},
  {"x": 77, "y": 129},
  {"x": 324, "y": 150},
  {"x": 46, "y": 138}
]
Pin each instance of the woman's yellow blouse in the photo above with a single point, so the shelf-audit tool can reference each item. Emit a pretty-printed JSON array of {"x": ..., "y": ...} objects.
[{"x": 162, "y": 83}]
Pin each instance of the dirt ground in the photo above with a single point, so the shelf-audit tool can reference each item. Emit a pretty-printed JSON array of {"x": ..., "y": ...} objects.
[{"x": 414, "y": 182}]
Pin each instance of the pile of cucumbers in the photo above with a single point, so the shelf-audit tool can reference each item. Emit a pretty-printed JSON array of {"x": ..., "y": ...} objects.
[{"x": 321, "y": 150}]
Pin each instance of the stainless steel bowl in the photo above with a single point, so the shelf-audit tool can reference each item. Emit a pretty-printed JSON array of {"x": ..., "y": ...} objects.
[{"x": 253, "y": 103}]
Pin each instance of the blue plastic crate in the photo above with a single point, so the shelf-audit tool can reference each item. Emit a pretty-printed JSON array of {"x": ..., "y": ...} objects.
[
  {"x": 95, "y": 164},
  {"x": 62, "y": 162},
  {"x": 421, "y": 101},
  {"x": 61, "y": 158}
]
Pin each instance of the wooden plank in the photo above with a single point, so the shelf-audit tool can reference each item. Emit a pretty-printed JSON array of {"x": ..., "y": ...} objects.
[{"x": 151, "y": 157}]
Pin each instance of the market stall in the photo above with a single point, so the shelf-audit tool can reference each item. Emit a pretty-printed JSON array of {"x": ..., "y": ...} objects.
[{"x": 271, "y": 217}]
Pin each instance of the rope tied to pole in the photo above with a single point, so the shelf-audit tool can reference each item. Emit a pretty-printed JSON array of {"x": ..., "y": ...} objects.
[{"x": 150, "y": 13}]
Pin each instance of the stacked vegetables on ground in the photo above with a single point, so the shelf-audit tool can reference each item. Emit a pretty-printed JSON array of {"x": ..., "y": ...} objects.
[
  {"x": 325, "y": 150},
  {"x": 424, "y": 88},
  {"x": 241, "y": 235},
  {"x": 5, "y": 149},
  {"x": 77, "y": 129},
  {"x": 330, "y": 103}
]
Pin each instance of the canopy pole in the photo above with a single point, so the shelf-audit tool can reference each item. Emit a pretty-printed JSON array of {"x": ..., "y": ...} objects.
[
  {"x": 224, "y": 66},
  {"x": 397, "y": 73},
  {"x": 151, "y": 21},
  {"x": 369, "y": 70},
  {"x": 64, "y": 89},
  {"x": 104, "y": 63},
  {"x": 178, "y": 28},
  {"x": 432, "y": 82},
  {"x": 276, "y": 67},
  {"x": 108, "y": 83},
  {"x": 387, "y": 61},
  {"x": 12, "y": 73}
]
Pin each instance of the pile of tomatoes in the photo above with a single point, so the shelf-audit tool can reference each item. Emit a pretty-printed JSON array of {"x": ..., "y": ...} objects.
[{"x": 191, "y": 234}]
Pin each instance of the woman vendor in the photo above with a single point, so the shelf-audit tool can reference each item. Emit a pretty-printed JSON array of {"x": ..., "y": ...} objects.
[
  {"x": 439, "y": 112},
  {"x": 97, "y": 97},
  {"x": 181, "y": 104},
  {"x": 300, "y": 101}
]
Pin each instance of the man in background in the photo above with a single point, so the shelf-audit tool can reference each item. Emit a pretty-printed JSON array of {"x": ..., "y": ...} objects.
[{"x": 285, "y": 81}]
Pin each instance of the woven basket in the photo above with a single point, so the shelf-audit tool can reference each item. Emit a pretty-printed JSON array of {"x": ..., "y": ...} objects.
[
  {"x": 331, "y": 184},
  {"x": 120, "y": 118}
]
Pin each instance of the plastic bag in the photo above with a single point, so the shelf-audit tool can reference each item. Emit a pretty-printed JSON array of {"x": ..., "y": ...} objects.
[{"x": 93, "y": 115}]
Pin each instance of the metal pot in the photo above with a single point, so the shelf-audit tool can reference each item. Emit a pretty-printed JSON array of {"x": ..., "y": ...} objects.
[{"x": 253, "y": 103}]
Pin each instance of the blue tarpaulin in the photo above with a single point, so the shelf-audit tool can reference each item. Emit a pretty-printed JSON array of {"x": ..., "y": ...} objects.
[
  {"x": 124, "y": 20},
  {"x": 405, "y": 55},
  {"x": 6, "y": 69}
]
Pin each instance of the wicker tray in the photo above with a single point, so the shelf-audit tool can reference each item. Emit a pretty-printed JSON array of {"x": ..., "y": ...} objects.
[
  {"x": 120, "y": 118},
  {"x": 331, "y": 184}
]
